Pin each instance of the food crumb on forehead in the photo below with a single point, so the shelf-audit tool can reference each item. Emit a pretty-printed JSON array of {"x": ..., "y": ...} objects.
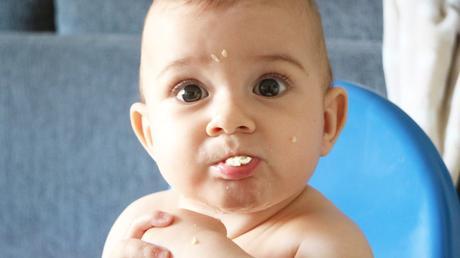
[
  {"x": 215, "y": 58},
  {"x": 224, "y": 53}
]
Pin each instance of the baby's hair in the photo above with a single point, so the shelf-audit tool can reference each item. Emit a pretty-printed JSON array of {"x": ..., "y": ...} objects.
[
  {"x": 206, "y": 5},
  {"x": 212, "y": 4}
]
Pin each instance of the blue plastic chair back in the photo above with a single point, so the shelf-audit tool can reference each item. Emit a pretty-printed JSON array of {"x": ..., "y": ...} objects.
[{"x": 387, "y": 176}]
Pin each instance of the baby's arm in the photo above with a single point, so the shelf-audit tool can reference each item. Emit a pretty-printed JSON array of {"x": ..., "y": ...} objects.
[
  {"x": 331, "y": 235},
  {"x": 195, "y": 235}
]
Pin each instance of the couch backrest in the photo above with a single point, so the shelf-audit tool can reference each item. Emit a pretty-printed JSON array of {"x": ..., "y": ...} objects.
[
  {"x": 26, "y": 15},
  {"x": 100, "y": 16},
  {"x": 121, "y": 16},
  {"x": 351, "y": 19}
]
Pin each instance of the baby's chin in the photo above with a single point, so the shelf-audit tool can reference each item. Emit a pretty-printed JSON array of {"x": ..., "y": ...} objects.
[{"x": 228, "y": 202}]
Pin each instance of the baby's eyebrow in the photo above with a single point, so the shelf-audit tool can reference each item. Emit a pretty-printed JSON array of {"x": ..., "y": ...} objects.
[
  {"x": 280, "y": 57},
  {"x": 186, "y": 61},
  {"x": 182, "y": 62}
]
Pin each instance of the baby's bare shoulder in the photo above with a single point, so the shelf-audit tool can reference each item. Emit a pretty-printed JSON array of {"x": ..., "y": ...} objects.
[
  {"x": 324, "y": 231},
  {"x": 164, "y": 201},
  {"x": 144, "y": 206}
]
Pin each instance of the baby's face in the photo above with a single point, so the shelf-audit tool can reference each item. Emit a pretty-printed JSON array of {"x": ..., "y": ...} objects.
[{"x": 245, "y": 81}]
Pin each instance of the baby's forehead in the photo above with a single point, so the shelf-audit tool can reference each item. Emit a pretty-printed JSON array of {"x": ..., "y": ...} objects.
[
  {"x": 246, "y": 28},
  {"x": 177, "y": 11}
]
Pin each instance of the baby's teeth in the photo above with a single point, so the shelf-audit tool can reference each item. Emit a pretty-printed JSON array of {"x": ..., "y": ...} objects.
[{"x": 237, "y": 161}]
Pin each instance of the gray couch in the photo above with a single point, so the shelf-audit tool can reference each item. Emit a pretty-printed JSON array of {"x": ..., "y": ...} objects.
[{"x": 69, "y": 162}]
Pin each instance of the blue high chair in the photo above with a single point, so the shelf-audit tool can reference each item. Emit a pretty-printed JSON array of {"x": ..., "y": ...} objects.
[{"x": 387, "y": 176}]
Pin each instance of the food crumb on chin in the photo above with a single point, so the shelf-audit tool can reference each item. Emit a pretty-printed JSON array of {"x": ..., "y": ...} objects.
[{"x": 293, "y": 139}]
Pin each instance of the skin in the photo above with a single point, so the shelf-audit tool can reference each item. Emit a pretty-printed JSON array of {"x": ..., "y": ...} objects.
[{"x": 272, "y": 213}]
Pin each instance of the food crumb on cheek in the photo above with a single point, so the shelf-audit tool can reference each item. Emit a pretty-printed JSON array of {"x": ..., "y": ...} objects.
[
  {"x": 293, "y": 139},
  {"x": 195, "y": 241}
]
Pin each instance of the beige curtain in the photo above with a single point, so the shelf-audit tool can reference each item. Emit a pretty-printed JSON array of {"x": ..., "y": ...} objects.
[{"x": 421, "y": 59}]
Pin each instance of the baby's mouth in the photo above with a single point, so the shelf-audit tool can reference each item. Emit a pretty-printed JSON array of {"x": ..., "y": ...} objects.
[
  {"x": 237, "y": 167},
  {"x": 238, "y": 161}
]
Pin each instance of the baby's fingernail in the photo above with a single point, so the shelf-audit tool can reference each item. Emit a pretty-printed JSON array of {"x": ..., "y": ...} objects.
[{"x": 162, "y": 217}]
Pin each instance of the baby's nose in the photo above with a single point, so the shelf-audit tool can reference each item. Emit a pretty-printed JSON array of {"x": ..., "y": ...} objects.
[{"x": 230, "y": 119}]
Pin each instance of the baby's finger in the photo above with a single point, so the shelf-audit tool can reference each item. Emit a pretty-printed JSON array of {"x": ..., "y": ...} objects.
[
  {"x": 142, "y": 224},
  {"x": 134, "y": 248}
]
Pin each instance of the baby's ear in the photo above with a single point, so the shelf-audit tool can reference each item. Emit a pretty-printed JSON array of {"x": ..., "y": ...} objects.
[
  {"x": 141, "y": 125},
  {"x": 335, "y": 113}
]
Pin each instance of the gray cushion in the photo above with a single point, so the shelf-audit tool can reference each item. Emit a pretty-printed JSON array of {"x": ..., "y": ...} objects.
[
  {"x": 69, "y": 162},
  {"x": 352, "y": 19},
  {"x": 26, "y": 15},
  {"x": 100, "y": 16},
  {"x": 359, "y": 61}
]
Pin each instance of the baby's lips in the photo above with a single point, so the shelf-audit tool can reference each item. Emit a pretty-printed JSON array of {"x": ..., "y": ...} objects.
[
  {"x": 236, "y": 172},
  {"x": 233, "y": 155}
]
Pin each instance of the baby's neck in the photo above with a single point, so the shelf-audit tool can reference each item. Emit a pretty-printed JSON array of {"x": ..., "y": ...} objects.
[{"x": 238, "y": 224}]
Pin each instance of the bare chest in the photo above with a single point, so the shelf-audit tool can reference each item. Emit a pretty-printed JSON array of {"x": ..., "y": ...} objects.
[{"x": 269, "y": 244}]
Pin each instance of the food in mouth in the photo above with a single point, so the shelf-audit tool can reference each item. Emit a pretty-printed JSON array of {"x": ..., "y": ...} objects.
[
  {"x": 238, "y": 161},
  {"x": 237, "y": 167}
]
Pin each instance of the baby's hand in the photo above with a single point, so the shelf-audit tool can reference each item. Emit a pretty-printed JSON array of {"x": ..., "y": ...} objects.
[
  {"x": 133, "y": 247},
  {"x": 189, "y": 229}
]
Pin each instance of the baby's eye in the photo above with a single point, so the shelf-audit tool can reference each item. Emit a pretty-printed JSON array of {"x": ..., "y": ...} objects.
[
  {"x": 269, "y": 87},
  {"x": 190, "y": 93}
]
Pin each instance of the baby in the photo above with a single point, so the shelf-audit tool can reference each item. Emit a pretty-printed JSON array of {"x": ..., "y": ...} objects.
[{"x": 236, "y": 111}]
